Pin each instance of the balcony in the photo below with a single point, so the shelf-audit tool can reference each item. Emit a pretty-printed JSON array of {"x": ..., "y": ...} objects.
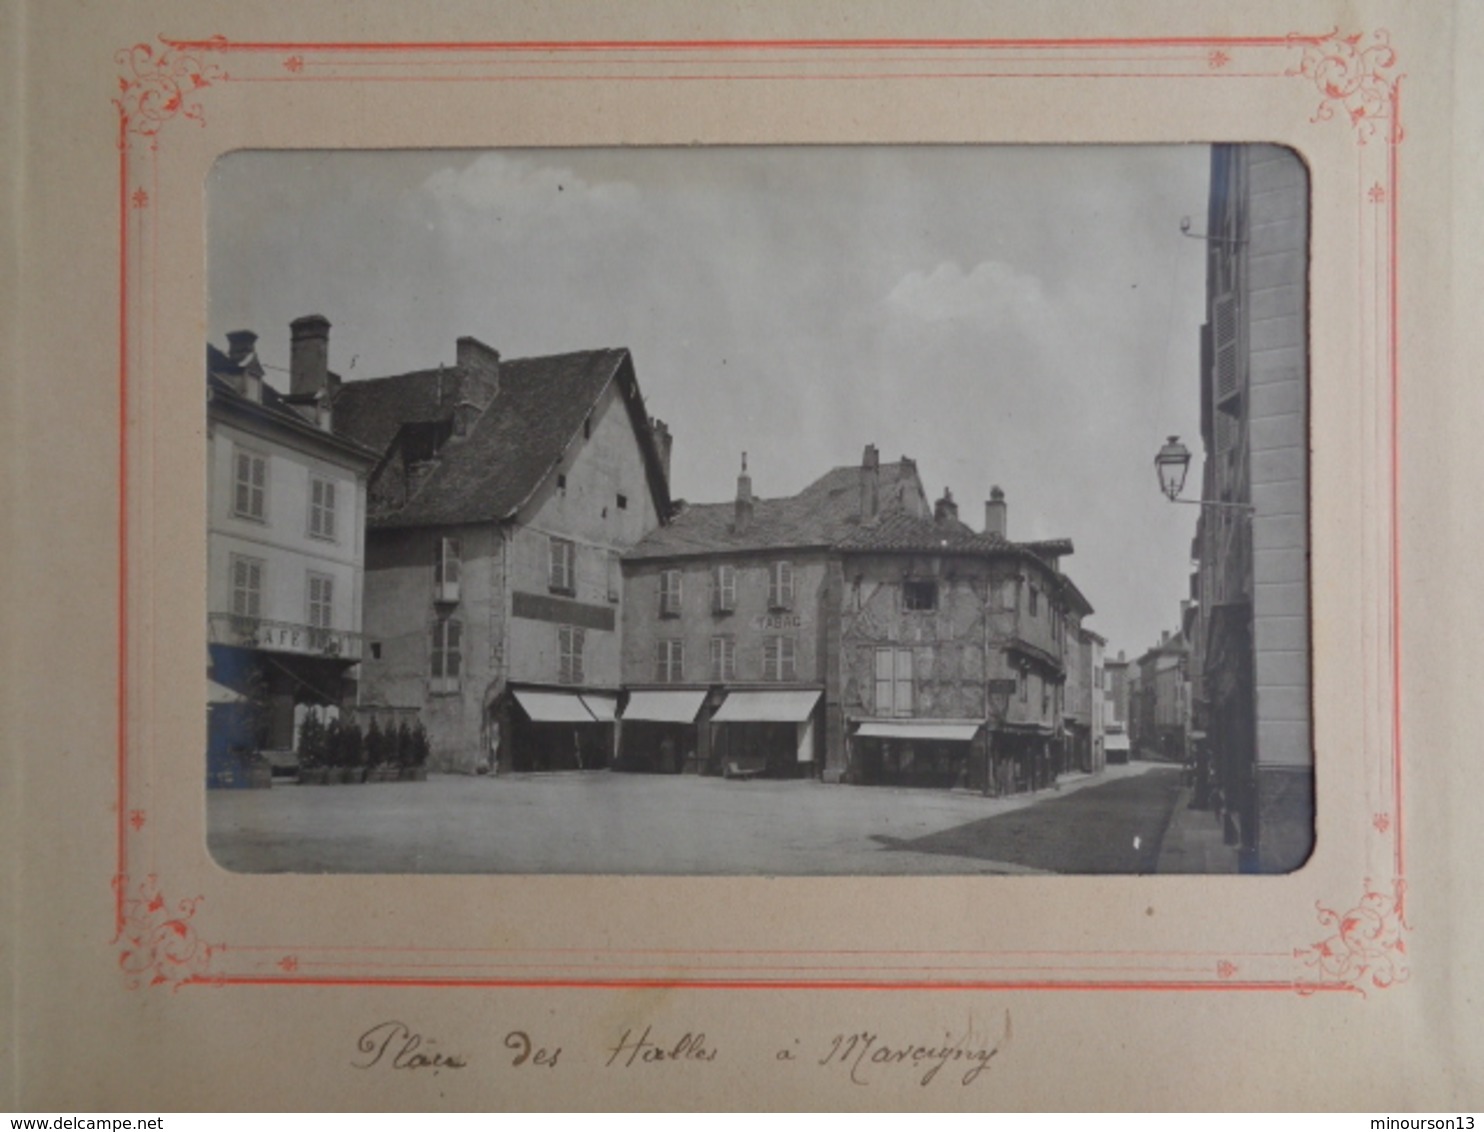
[{"x": 283, "y": 636}]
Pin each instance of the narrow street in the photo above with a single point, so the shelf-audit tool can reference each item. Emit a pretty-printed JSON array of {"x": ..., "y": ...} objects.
[{"x": 1114, "y": 827}]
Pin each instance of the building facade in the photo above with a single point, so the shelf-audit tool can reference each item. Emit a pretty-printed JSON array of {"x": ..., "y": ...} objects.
[
  {"x": 285, "y": 559},
  {"x": 953, "y": 653},
  {"x": 731, "y": 628},
  {"x": 506, "y": 492},
  {"x": 1252, "y": 583}
]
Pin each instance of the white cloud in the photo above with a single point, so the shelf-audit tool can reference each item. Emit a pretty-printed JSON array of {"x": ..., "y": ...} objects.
[{"x": 993, "y": 290}]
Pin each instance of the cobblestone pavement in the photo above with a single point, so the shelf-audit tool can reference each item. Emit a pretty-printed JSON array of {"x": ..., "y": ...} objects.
[{"x": 601, "y": 822}]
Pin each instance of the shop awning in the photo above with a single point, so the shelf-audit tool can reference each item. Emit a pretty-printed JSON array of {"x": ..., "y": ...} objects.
[
  {"x": 943, "y": 730},
  {"x": 664, "y": 707},
  {"x": 553, "y": 707},
  {"x": 603, "y": 705},
  {"x": 767, "y": 707},
  {"x": 221, "y": 694},
  {"x": 1115, "y": 742}
]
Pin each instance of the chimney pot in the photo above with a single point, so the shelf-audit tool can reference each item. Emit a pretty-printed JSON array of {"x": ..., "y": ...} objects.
[
  {"x": 945, "y": 510},
  {"x": 744, "y": 498},
  {"x": 241, "y": 344},
  {"x": 996, "y": 520},
  {"x": 870, "y": 476},
  {"x": 309, "y": 354},
  {"x": 479, "y": 372}
]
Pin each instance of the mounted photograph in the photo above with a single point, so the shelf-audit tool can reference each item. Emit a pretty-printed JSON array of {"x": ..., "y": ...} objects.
[{"x": 759, "y": 510}]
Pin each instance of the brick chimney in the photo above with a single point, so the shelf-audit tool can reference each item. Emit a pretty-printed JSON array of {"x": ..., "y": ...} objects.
[
  {"x": 945, "y": 510},
  {"x": 663, "y": 442},
  {"x": 870, "y": 508},
  {"x": 309, "y": 354},
  {"x": 995, "y": 519},
  {"x": 479, "y": 371},
  {"x": 744, "y": 499}
]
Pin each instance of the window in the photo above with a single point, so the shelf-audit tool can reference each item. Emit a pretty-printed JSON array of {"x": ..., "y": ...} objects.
[
  {"x": 569, "y": 654},
  {"x": 724, "y": 589},
  {"x": 447, "y": 660},
  {"x": 250, "y": 494},
  {"x": 587, "y": 428},
  {"x": 670, "y": 593},
  {"x": 1025, "y": 687},
  {"x": 1045, "y": 698},
  {"x": 623, "y": 501},
  {"x": 778, "y": 658},
  {"x": 894, "y": 682},
  {"x": 1035, "y": 600},
  {"x": 321, "y": 609},
  {"x": 781, "y": 586},
  {"x": 669, "y": 661},
  {"x": 322, "y": 508},
  {"x": 919, "y": 597},
  {"x": 446, "y": 570},
  {"x": 247, "y": 592},
  {"x": 561, "y": 481},
  {"x": 615, "y": 575},
  {"x": 723, "y": 659},
  {"x": 562, "y": 578}
]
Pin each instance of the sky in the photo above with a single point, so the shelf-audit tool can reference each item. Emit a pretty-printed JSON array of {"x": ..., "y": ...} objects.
[{"x": 1019, "y": 316}]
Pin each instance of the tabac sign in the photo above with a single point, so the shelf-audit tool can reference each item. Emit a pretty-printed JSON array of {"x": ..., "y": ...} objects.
[{"x": 777, "y": 622}]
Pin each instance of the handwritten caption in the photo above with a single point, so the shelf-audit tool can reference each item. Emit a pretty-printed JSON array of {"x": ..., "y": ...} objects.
[{"x": 861, "y": 1057}]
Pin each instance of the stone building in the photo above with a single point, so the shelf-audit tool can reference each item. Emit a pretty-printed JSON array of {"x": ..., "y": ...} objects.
[
  {"x": 953, "y": 652},
  {"x": 730, "y": 624},
  {"x": 505, "y": 494},
  {"x": 286, "y": 509},
  {"x": 1251, "y": 594}
]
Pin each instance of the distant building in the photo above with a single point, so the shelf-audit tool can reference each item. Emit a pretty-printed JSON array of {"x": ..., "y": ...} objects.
[
  {"x": 286, "y": 512},
  {"x": 1161, "y": 703},
  {"x": 505, "y": 494},
  {"x": 1251, "y": 592}
]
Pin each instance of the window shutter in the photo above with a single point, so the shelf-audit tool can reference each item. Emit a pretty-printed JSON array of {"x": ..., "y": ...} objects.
[
  {"x": 902, "y": 704},
  {"x": 1225, "y": 368}
]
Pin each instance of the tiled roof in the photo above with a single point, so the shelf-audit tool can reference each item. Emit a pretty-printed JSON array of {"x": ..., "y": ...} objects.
[
  {"x": 220, "y": 372},
  {"x": 511, "y": 447},
  {"x": 902, "y": 531},
  {"x": 819, "y": 516}
]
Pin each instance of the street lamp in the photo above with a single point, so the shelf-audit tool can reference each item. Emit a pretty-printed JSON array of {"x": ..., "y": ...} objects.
[
  {"x": 1171, "y": 463},
  {"x": 1000, "y": 691}
]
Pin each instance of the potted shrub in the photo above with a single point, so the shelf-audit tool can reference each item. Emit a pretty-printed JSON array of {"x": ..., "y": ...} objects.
[
  {"x": 335, "y": 752},
  {"x": 402, "y": 748},
  {"x": 355, "y": 750},
  {"x": 376, "y": 760},
  {"x": 416, "y": 769},
  {"x": 312, "y": 768}
]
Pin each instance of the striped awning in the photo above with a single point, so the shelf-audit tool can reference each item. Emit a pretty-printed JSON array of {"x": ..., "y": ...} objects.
[
  {"x": 679, "y": 706},
  {"x": 553, "y": 707}
]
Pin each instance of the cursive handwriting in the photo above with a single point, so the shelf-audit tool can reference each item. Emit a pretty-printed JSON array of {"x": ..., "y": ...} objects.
[
  {"x": 866, "y": 1052},
  {"x": 691, "y": 1047},
  {"x": 397, "y": 1046}
]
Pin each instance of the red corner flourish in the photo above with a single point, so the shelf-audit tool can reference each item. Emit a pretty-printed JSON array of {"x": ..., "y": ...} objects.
[
  {"x": 1348, "y": 73},
  {"x": 159, "y": 944},
  {"x": 1367, "y": 946},
  {"x": 156, "y": 87}
]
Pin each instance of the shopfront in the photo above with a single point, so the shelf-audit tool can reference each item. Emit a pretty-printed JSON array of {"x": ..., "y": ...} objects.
[
  {"x": 766, "y": 732},
  {"x": 916, "y": 752},
  {"x": 561, "y": 729},
  {"x": 659, "y": 733}
]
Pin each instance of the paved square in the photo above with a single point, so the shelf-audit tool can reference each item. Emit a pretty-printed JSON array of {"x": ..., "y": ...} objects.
[{"x": 602, "y": 822}]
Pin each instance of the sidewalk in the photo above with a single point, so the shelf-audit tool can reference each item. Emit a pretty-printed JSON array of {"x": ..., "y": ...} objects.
[{"x": 1193, "y": 842}]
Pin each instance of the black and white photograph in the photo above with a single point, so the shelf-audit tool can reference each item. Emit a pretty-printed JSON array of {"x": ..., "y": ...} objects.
[{"x": 759, "y": 510}]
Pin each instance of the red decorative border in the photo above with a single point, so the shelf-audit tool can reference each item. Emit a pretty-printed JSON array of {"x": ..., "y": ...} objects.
[{"x": 1353, "y": 77}]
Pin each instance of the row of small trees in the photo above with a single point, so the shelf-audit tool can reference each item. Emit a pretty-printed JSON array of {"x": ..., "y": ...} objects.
[{"x": 338, "y": 744}]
